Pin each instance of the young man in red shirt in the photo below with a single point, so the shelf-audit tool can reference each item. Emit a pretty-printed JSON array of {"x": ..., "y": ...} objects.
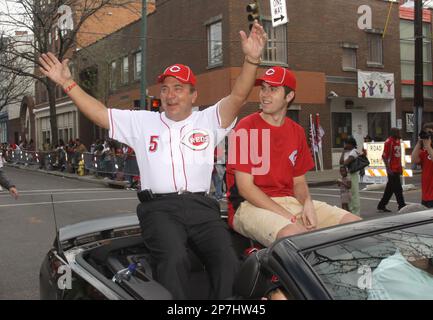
[
  {"x": 423, "y": 154},
  {"x": 392, "y": 158},
  {"x": 268, "y": 159}
]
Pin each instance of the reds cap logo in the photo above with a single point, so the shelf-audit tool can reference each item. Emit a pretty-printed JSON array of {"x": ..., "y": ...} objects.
[
  {"x": 270, "y": 72},
  {"x": 196, "y": 140},
  {"x": 174, "y": 69}
]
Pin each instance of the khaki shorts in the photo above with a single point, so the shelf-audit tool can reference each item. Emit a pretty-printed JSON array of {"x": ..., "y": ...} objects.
[{"x": 263, "y": 225}]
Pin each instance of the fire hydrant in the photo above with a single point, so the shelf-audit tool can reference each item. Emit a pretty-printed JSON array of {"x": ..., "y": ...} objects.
[{"x": 80, "y": 169}]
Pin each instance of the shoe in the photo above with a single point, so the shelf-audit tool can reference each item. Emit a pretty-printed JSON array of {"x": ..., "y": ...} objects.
[{"x": 384, "y": 209}]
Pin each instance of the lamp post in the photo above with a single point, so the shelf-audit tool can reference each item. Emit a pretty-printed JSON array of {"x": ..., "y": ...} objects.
[
  {"x": 143, "y": 40},
  {"x": 419, "y": 75}
]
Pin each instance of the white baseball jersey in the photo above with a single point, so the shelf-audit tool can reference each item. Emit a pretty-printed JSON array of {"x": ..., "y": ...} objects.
[{"x": 172, "y": 155}]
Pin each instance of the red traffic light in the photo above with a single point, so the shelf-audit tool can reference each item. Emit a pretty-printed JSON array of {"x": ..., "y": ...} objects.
[{"x": 155, "y": 104}]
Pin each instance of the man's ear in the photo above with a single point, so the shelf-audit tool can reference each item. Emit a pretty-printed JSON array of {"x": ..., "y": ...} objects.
[
  {"x": 194, "y": 96},
  {"x": 290, "y": 96}
]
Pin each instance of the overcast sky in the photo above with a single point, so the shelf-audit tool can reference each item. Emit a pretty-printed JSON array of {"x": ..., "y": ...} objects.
[{"x": 9, "y": 7}]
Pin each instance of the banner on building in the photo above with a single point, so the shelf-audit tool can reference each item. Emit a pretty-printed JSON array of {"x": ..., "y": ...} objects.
[{"x": 376, "y": 85}]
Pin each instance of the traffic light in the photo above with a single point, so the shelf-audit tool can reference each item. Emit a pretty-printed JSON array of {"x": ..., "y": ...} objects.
[
  {"x": 254, "y": 12},
  {"x": 155, "y": 104}
]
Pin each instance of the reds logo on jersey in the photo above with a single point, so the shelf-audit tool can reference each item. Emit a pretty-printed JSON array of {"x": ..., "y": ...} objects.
[
  {"x": 196, "y": 139},
  {"x": 293, "y": 156}
]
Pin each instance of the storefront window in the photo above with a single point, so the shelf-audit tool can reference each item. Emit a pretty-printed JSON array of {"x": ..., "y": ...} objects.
[{"x": 342, "y": 128}]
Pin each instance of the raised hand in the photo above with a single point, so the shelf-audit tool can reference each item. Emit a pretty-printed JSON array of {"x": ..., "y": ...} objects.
[
  {"x": 253, "y": 45},
  {"x": 53, "y": 69}
]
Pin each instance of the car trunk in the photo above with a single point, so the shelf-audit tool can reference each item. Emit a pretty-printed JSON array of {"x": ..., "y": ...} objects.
[{"x": 106, "y": 249}]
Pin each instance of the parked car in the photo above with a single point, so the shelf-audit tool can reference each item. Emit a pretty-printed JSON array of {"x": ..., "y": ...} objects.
[{"x": 370, "y": 259}]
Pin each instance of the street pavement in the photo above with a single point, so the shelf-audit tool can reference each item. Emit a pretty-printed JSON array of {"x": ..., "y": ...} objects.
[{"x": 27, "y": 227}]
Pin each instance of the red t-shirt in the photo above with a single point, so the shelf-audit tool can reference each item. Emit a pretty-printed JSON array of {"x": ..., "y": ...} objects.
[
  {"x": 427, "y": 176},
  {"x": 273, "y": 155},
  {"x": 392, "y": 152}
]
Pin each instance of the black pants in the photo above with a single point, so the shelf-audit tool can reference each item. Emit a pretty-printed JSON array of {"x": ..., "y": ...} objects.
[
  {"x": 393, "y": 186},
  {"x": 172, "y": 223},
  {"x": 428, "y": 204}
]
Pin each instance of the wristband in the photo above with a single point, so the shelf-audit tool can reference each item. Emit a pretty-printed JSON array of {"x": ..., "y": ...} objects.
[
  {"x": 70, "y": 87},
  {"x": 252, "y": 62}
]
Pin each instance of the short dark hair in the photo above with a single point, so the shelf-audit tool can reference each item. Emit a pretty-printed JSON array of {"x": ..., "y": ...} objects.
[
  {"x": 428, "y": 125},
  {"x": 351, "y": 141}
]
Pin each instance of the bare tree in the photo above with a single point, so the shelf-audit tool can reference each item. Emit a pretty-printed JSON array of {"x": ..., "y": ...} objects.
[
  {"x": 12, "y": 86},
  {"x": 55, "y": 25}
]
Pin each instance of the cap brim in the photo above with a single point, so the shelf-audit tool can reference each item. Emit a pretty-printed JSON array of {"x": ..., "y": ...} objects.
[
  {"x": 260, "y": 81},
  {"x": 163, "y": 76}
]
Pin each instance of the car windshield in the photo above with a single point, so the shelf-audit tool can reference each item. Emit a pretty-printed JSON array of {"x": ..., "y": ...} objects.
[{"x": 387, "y": 266}]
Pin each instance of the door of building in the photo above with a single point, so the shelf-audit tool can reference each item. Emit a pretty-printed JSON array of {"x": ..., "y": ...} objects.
[{"x": 379, "y": 125}]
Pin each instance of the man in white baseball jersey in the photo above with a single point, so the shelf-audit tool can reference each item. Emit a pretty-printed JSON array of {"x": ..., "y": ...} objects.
[{"x": 174, "y": 152}]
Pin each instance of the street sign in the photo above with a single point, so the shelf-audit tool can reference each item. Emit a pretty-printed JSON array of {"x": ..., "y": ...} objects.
[
  {"x": 279, "y": 12},
  {"x": 376, "y": 171}
]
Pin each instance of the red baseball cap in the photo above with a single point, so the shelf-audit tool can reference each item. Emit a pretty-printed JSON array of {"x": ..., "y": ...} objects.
[
  {"x": 278, "y": 76},
  {"x": 179, "y": 71}
]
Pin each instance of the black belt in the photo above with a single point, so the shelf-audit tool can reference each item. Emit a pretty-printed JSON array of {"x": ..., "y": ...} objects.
[
  {"x": 148, "y": 195},
  {"x": 160, "y": 195}
]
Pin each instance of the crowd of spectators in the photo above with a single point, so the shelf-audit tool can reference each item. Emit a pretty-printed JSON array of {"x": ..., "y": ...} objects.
[{"x": 106, "y": 158}]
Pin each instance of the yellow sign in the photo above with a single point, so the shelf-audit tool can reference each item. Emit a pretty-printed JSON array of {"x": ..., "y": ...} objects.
[{"x": 374, "y": 153}]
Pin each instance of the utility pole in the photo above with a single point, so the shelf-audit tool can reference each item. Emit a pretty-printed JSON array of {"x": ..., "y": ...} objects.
[
  {"x": 419, "y": 76},
  {"x": 143, "y": 82}
]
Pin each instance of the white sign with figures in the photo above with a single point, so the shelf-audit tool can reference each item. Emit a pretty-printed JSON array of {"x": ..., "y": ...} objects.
[
  {"x": 279, "y": 12},
  {"x": 376, "y": 85}
]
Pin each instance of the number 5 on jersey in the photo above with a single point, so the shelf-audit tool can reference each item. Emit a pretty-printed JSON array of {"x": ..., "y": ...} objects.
[{"x": 153, "y": 145}]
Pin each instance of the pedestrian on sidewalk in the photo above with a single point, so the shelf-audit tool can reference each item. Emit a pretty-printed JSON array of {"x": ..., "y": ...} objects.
[
  {"x": 349, "y": 155},
  {"x": 423, "y": 154},
  {"x": 345, "y": 185},
  {"x": 392, "y": 158}
]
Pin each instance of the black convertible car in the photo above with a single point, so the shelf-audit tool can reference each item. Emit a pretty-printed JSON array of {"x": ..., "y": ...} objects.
[{"x": 383, "y": 258}]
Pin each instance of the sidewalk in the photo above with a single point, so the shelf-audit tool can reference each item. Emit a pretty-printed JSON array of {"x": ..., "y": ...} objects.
[{"x": 322, "y": 178}]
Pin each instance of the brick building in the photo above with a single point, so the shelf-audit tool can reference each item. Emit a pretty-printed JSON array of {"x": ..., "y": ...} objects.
[
  {"x": 322, "y": 43},
  {"x": 71, "y": 123}
]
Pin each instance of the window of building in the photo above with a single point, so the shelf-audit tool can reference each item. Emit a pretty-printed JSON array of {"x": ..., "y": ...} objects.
[
  {"x": 375, "y": 49},
  {"x": 137, "y": 65},
  {"x": 349, "y": 59},
  {"x": 341, "y": 128},
  {"x": 215, "y": 44},
  {"x": 43, "y": 93},
  {"x": 407, "y": 91},
  {"x": 113, "y": 73},
  {"x": 276, "y": 48},
  {"x": 124, "y": 75},
  {"x": 407, "y": 56}
]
